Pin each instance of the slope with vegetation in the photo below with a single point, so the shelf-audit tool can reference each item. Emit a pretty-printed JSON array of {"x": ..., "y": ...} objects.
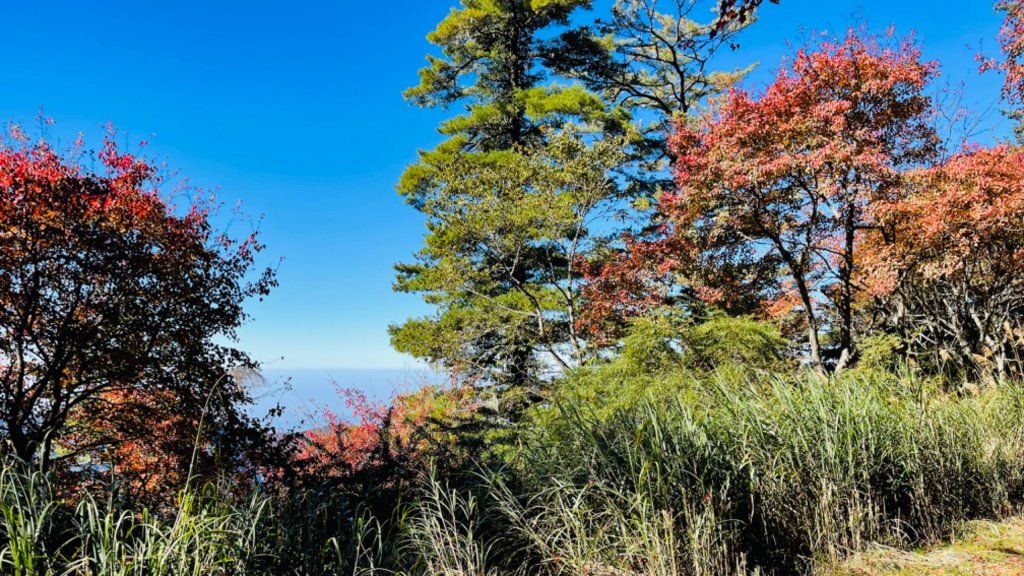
[{"x": 691, "y": 329}]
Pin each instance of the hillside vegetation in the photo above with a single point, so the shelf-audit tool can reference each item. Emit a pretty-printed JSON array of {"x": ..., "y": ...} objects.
[
  {"x": 691, "y": 475},
  {"x": 688, "y": 328}
]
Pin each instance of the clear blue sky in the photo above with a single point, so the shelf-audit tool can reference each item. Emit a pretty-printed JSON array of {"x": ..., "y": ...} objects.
[{"x": 296, "y": 109}]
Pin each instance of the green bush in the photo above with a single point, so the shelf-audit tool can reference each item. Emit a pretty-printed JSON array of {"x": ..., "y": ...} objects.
[{"x": 665, "y": 341}]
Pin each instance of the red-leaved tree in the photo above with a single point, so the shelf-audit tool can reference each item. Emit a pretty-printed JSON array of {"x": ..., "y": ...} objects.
[
  {"x": 114, "y": 306},
  {"x": 380, "y": 447},
  {"x": 774, "y": 189},
  {"x": 1011, "y": 43}
]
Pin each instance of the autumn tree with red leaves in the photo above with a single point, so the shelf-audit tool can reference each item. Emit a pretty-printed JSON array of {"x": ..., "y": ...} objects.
[
  {"x": 111, "y": 297},
  {"x": 945, "y": 274},
  {"x": 774, "y": 190},
  {"x": 951, "y": 266}
]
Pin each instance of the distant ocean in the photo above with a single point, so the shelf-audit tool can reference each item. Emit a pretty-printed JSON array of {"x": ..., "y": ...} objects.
[{"x": 305, "y": 393}]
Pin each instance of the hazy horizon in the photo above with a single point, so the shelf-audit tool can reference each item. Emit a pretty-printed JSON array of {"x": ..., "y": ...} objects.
[{"x": 305, "y": 392}]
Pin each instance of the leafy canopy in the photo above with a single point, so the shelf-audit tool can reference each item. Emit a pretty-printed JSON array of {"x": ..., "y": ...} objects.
[{"x": 111, "y": 296}]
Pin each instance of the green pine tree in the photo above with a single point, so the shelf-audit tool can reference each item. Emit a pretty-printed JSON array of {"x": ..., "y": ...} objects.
[
  {"x": 654, "y": 58},
  {"x": 508, "y": 197}
]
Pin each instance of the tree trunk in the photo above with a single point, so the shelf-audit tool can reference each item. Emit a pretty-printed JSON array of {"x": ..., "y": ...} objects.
[
  {"x": 845, "y": 303},
  {"x": 23, "y": 447},
  {"x": 813, "y": 343}
]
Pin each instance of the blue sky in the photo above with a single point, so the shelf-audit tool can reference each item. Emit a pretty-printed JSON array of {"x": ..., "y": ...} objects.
[{"x": 296, "y": 109}]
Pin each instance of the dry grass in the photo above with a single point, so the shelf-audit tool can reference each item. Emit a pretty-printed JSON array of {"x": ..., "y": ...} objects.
[{"x": 982, "y": 548}]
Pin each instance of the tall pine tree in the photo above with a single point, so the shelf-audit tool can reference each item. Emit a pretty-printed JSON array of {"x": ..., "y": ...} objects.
[{"x": 508, "y": 198}]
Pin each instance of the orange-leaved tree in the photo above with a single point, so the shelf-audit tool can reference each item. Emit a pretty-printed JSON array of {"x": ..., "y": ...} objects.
[
  {"x": 950, "y": 266},
  {"x": 946, "y": 270},
  {"x": 1011, "y": 43}
]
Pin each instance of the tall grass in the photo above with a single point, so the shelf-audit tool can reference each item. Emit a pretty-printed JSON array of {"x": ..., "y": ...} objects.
[
  {"x": 443, "y": 537},
  {"x": 734, "y": 476},
  {"x": 717, "y": 476},
  {"x": 211, "y": 531},
  {"x": 26, "y": 522}
]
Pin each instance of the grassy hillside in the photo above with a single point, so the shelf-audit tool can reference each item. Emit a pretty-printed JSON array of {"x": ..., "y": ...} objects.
[{"x": 660, "y": 474}]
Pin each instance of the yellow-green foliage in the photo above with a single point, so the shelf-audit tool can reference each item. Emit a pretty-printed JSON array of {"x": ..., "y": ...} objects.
[{"x": 664, "y": 341}]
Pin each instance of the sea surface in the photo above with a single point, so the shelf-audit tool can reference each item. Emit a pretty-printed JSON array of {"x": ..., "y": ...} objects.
[{"x": 304, "y": 394}]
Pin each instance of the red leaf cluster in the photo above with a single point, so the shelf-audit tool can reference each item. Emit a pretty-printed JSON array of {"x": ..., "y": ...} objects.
[
  {"x": 773, "y": 189},
  {"x": 970, "y": 207},
  {"x": 400, "y": 431},
  {"x": 1011, "y": 42}
]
